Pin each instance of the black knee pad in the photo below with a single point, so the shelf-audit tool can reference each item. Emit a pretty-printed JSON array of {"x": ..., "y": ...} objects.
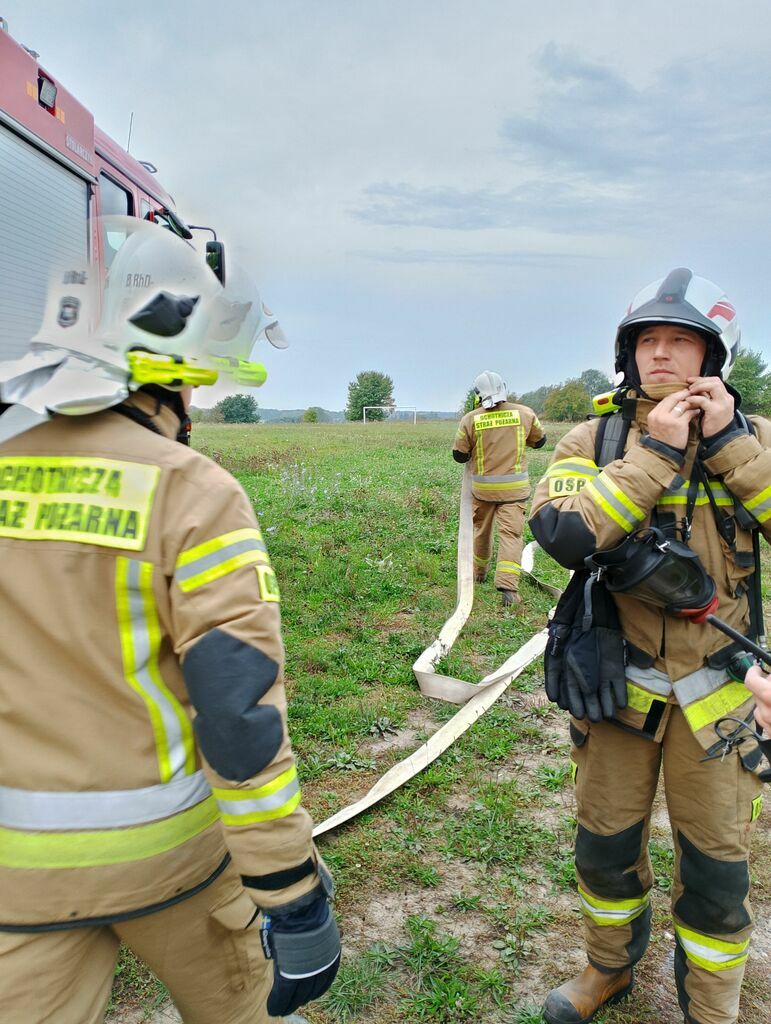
[
  {"x": 604, "y": 862},
  {"x": 714, "y": 891}
]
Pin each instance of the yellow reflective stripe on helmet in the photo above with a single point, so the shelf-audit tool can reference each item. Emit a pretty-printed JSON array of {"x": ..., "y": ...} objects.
[
  {"x": 140, "y": 639},
  {"x": 757, "y": 807},
  {"x": 48, "y": 850},
  {"x": 760, "y": 505},
  {"x": 277, "y": 799},
  {"x": 611, "y": 912},
  {"x": 218, "y": 557},
  {"x": 725, "y": 701},
  {"x": 614, "y": 503},
  {"x": 168, "y": 370},
  {"x": 711, "y": 954},
  {"x": 638, "y": 699}
]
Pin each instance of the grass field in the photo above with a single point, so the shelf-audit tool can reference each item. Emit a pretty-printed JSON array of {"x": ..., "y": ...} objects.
[{"x": 455, "y": 895}]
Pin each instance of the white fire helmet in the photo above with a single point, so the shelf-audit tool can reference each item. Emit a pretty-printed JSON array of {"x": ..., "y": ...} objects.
[
  {"x": 165, "y": 319},
  {"x": 490, "y": 388},
  {"x": 694, "y": 302}
]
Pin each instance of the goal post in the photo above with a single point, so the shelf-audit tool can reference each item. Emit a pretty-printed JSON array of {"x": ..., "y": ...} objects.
[{"x": 412, "y": 411}]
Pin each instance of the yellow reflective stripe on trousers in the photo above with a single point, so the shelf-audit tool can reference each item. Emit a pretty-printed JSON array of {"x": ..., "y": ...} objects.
[
  {"x": 711, "y": 954},
  {"x": 218, "y": 557},
  {"x": 277, "y": 799},
  {"x": 49, "y": 850},
  {"x": 512, "y": 568},
  {"x": 611, "y": 912},
  {"x": 478, "y": 560},
  {"x": 722, "y": 702},
  {"x": 140, "y": 638},
  {"x": 614, "y": 503},
  {"x": 757, "y": 807}
]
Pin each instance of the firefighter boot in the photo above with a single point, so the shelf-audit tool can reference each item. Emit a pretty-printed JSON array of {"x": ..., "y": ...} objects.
[
  {"x": 510, "y": 597},
  {"x": 480, "y": 575},
  {"x": 577, "y": 1001}
]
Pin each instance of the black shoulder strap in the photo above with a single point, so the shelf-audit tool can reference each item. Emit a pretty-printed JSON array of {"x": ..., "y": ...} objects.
[{"x": 611, "y": 437}]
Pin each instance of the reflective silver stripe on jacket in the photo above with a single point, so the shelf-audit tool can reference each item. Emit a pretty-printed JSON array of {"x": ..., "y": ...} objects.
[
  {"x": 206, "y": 562},
  {"x": 261, "y": 804},
  {"x": 700, "y": 683},
  {"x": 59, "y": 812},
  {"x": 509, "y": 478},
  {"x": 650, "y": 679}
]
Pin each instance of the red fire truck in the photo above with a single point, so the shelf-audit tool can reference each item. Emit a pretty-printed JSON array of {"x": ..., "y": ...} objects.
[{"x": 58, "y": 174}]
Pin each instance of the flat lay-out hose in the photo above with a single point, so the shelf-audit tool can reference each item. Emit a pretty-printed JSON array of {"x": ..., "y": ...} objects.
[{"x": 475, "y": 697}]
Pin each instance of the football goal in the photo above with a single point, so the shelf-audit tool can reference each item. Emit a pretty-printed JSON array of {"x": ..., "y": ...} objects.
[{"x": 395, "y": 413}]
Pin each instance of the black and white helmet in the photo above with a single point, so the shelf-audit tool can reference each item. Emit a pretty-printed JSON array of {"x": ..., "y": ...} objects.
[{"x": 695, "y": 302}]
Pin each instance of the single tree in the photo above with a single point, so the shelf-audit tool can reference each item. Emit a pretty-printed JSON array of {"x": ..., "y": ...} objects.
[
  {"x": 239, "y": 409},
  {"x": 595, "y": 382},
  {"x": 370, "y": 388},
  {"x": 469, "y": 402},
  {"x": 567, "y": 402},
  {"x": 311, "y": 415},
  {"x": 751, "y": 379}
]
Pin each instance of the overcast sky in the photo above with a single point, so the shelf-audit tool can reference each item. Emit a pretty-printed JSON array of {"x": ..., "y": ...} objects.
[{"x": 432, "y": 187}]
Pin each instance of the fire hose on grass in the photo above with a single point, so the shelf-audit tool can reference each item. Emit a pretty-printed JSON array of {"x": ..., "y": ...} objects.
[{"x": 475, "y": 697}]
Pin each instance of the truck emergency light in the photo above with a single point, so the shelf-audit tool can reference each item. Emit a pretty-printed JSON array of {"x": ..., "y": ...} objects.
[{"x": 46, "y": 93}]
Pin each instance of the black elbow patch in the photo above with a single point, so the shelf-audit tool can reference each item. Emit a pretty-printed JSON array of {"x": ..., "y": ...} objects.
[
  {"x": 226, "y": 678},
  {"x": 714, "y": 891},
  {"x": 460, "y": 456},
  {"x": 564, "y": 535},
  {"x": 605, "y": 862},
  {"x": 541, "y": 443}
]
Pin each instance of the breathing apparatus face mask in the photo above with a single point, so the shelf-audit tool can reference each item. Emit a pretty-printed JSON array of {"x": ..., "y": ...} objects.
[{"x": 658, "y": 571}]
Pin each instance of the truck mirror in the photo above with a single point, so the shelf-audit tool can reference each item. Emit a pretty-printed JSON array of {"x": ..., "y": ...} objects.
[{"x": 215, "y": 257}]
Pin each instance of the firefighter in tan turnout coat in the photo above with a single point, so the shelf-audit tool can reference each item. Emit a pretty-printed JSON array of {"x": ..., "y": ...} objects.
[
  {"x": 148, "y": 791},
  {"x": 675, "y": 347},
  {"x": 494, "y": 436}
]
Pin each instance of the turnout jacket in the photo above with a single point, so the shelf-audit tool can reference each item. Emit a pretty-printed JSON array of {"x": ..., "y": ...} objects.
[
  {"x": 496, "y": 440},
  {"x": 143, "y": 717},
  {"x": 579, "y": 507}
]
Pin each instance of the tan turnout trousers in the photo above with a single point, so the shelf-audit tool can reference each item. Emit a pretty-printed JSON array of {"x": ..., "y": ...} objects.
[
  {"x": 510, "y": 519},
  {"x": 201, "y": 949},
  {"x": 712, "y": 810}
]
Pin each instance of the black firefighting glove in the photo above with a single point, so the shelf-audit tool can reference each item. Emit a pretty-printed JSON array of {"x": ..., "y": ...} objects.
[
  {"x": 595, "y": 674},
  {"x": 304, "y": 945}
]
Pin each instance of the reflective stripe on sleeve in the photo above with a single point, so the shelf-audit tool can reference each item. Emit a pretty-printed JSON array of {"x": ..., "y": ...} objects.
[
  {"x": 611, "y": 912},
  {"x": 614, "y": 503},
  {"x": 573, "y": 466},
  {"x": 218, "y": 557},
  {"x": 277, "y": 799},
  {"x": 49, "y": 850},
  {"x": 62, "y": 811},
  {"x": 760, "y": 505},
  {"x": 140, "y": 639},
  {"x": 711, "y": 954}
]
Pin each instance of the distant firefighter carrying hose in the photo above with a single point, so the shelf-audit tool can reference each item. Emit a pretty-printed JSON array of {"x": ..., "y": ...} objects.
[
  {"x": 658, "y": 507},
  {"x": 494, "y": 435}
]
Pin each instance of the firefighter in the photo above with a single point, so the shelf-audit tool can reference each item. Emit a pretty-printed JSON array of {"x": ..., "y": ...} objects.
[
  {"x": 693, "y": 466},
  {"x": 494, "y": 434},
  {"x": 148, "y": 791}
]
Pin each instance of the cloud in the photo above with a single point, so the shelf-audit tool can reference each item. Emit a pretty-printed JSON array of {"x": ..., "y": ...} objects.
[{"x": 484, "y": 259}]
